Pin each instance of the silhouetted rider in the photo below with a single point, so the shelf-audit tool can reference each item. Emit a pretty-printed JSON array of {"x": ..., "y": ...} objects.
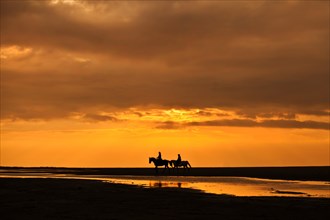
[
  {"x": 159, "y": 156},
  {"x": 178, "y": 161}
]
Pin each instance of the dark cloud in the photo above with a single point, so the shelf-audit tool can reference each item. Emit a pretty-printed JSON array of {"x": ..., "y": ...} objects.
[
  {"x": 265, "y": 123},
  {"x": 295, "y": 124},
  {"x": 262, "y": 58},
  {"x": 279, "y": 115},
  {"x": 58, "y": 96},
  {"x": 254, "y": 114},
  {"x": 205, "y": 113},
  {"x": 210, "y": 113},
  {"x": 138, "y": 114},
  {"x": 227, "y": 122},
  {"x": 169, "y": 125},
  {"x": 97, "y": 117},
  {"x": 192, "y": 32},
  {"x": 315, "y": 112}
]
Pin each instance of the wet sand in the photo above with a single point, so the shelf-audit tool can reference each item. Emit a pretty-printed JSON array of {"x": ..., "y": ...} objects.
[
  {"x": 320, "y": 173},
  {"x": 46, "y": 198}
]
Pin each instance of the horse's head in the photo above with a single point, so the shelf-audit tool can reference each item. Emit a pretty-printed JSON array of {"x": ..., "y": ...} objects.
[{"x": 151, "y": 159}]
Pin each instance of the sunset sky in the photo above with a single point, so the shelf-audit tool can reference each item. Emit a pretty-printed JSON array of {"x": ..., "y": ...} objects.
[{"x": 110, "y": 83}]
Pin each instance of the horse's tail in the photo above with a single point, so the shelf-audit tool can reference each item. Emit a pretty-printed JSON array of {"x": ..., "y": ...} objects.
[{"x": 188, "y": 164}]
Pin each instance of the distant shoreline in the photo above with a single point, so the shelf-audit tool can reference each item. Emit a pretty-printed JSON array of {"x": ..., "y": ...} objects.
[{"x": 312, "y": 173}]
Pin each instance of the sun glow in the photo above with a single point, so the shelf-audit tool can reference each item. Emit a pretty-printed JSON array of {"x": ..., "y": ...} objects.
[
  {"x": 127, "y": 138},
  {"x": 69, "y": 2},
  {"x": 110, "y": 83},
  {"x": 14, "y": 52}
]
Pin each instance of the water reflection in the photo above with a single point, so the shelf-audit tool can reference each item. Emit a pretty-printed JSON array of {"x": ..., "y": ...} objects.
[
  {"x": 238, "y": 186},
  {"x": 161, "y": 184}
]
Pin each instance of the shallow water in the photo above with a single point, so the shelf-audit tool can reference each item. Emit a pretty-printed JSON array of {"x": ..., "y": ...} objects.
[{"x": 238, "y": 186}]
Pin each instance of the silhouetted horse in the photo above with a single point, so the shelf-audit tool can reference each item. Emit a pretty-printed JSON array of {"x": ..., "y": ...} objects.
[
  {"x": 159, "y": 163},
  {"x": 185, "y": 164}
]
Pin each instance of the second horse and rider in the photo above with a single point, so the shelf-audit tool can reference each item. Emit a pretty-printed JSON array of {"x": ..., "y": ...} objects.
[
  {"x": 159, "y": 161},
  {"x": 173, "y": 163}
]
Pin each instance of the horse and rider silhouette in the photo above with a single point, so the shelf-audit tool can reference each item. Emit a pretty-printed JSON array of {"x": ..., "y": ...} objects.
[{"x": 159, "y": 162}]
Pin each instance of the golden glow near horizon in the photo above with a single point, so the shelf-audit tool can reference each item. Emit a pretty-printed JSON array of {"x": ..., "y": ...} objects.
[
  {"x": 125, "y": 139},
  {"x": 108, "y": 84}
]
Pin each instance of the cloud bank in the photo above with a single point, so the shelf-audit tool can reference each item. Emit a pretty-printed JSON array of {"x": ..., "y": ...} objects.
[{"x": 252, "y": 57}]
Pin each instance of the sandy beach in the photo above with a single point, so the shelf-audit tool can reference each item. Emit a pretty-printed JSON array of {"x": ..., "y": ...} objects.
[{"x": 47, "y": 198}]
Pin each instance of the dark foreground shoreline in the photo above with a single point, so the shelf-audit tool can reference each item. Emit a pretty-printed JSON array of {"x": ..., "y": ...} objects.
[
  {"x": 47, "y": 198},
  {"x": 318, "y": 173}
]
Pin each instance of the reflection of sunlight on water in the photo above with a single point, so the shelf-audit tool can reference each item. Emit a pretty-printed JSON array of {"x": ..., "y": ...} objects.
[{"x": 238, "y": 186}]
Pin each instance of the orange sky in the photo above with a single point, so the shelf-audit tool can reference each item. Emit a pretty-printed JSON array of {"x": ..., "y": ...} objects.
[{"x": 108, "y": 84}]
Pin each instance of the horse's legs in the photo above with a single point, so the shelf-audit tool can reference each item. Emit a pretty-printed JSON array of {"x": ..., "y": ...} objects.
[
  {"x": 188, "y": 168},
  {"x": 169, "y": 170},
  {"x": 173, "y": 169}
]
